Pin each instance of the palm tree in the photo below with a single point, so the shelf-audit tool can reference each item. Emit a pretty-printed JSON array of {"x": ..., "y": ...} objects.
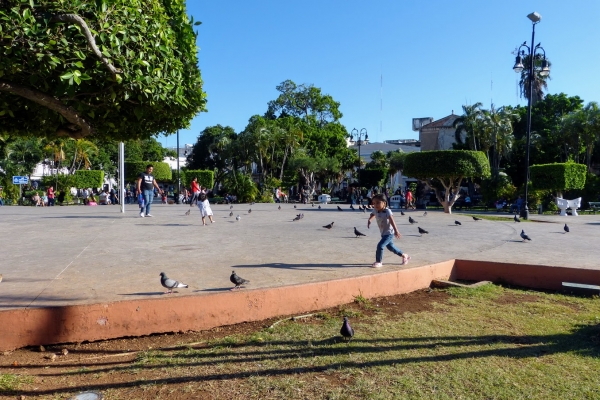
[
  {"x": 469, "y": 122},
  {"x": 498, "y": 134},
  {"x": 291, "y": 138},
  {"x": 539, "y": 81},
  {"x": 83, "y": 150}
]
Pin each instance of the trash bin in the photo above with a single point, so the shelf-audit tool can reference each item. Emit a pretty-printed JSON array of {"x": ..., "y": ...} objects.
[{"x": 395, "y": 201}]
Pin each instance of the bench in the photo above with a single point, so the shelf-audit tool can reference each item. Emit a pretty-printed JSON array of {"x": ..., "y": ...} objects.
[
  {"x": 563, "y": 204},
  {"x": 593, "y": 206}
]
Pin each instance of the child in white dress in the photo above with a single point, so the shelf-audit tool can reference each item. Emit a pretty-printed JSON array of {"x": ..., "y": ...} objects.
[{"x": 205, "y": 210}]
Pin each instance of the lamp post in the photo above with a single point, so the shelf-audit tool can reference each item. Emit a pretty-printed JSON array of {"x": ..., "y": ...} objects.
[
  {"x": 359, "y": 141},
  {"x": 518, "y": 68}
]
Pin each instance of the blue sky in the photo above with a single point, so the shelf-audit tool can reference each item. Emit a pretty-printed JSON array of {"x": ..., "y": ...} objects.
[{"x": 435, "y": 56}]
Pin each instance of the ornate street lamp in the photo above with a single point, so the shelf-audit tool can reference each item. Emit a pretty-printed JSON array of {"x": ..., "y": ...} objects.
[
  {"x": 359, "y": 142},
  {"x": 544, "y": 71}
]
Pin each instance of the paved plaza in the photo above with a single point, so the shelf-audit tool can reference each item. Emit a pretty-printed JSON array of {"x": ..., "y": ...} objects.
[{"x": 80, "y": 255}]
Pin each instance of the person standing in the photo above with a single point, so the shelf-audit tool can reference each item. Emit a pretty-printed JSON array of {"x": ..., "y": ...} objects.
[
  {"x": 51, "y": 196},
  {"x": 388, "y": 229},
  {"x": 145, "y": 186},
  {"x": 204, "y": 207},
  {"x": 409, "y": 199},
  {"x": 278, "y": 195},
  {"x": 195, "y": 191}
]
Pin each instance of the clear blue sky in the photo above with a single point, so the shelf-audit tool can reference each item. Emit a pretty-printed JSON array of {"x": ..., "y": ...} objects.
[{"x": 435, "y": 56}]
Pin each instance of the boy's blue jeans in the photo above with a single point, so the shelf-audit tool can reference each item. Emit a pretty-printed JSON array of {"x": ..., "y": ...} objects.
[
  {"x": 386, "y": 241},
  {"x": 148, "y": 198}
]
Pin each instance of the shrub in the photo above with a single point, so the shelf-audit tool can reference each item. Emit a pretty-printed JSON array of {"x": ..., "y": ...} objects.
[
  {"x": 162, "y": 170},
  {"x": 497, "y": 187},
  {"x": 206, "y": 178},
  {"x": 59, "y": 182},
  {"x": 89, "y": 179},
  {"x": 372, "y": 177},
  {"x": 242, "y": 186},
  {"x": 558, "y": 176}
]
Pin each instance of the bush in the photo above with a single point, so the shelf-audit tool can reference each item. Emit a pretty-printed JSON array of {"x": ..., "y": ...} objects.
[
  {"x": 89, "y": 179},
  {"x": 497, "y": 187},
  {"x": 242, "y": 186},
  {"x": 558, "y": 176},
  {"x": 372, "y": 177},
  {"x": 162, "y": 170},
  {"x": 206, "y": 178},
  {"x": 59, "y": 182}
]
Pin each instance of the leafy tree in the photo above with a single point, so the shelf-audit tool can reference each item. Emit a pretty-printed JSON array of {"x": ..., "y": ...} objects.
[
  {"x": 558, "y": 176},
  {"x": 539, "y": 81},
  {"x": 214, "y": 150},
  {"x": 469, "y": 122},
  {"x": 497, "y": 126},
  {"x": 444, "y": 171},
  {"x": 304, "y": 101},
  {"x": 396, "y": 160},
  {"x": 118, "y": 68}
]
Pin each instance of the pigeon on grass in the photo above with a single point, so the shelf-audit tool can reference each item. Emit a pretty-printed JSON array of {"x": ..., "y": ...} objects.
[
  {"x": 170, "y": 283},
  {"x": 422, "y": 231},
  {"x": 524, "y": 236},
  {"x": 347, "y": 332},
  {"x": 237, "y": 281},
  {"x": 329, "y": 226},
  {"x": 358, "y": 233}
]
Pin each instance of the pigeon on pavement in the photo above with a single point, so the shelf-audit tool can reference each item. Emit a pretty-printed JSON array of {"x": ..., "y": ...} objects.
[
  {"x": 476, "y": 219},
  {"x": 566, "y": 228},
  {"x": 402, "y": 212},
  {"x": 249, "y": 211},
  {"x": 358, "y": 233},
  {"x": 294, "y": 206},
  {"x": 237, "y": 218},
  {"x": 457, "y": 223},
  {"x": 412, "y": 221},
  {"x": 340, "y": 208},
  {"x": 516, "y": 218},
  {"x": 231, "y": 207},
  {"x": 347, "y": 332},
  {"x": 422, "y": 231},
  {"x": 425, "y": 214},
  {"x": 298, "y": 218},
  {"x": 329, "y": 226},
  {"x": 231, "y": 213},
  {"x": 319, "y": 207},
  {"x": 524, "y": 236},
  {"x": 187, "y": 212},
  {"x": 170, "y": 283},
  {"x": 237, "y": 281},
  {"x": 279, "y": 208}
]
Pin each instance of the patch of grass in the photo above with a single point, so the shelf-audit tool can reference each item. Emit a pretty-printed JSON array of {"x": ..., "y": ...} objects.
[
  {"x": 363, "y": 302},
  {"x": 481, "y": 292},
  {"x": 12, "y": 381},
  {"x": 508, "y": 218}
]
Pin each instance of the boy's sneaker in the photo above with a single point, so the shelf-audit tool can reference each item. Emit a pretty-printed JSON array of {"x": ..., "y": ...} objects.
[
  {"x": 142, "y": 214},
  {"x": 377, "y": 265},
  {"x": 148, "y": 215}
]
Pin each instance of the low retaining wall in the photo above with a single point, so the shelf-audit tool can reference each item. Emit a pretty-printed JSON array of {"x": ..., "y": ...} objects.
[{"x": 27, "y": 327}]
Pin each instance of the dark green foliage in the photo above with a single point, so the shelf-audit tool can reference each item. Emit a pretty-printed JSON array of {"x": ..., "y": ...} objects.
[
  {"x": 52, "y": 83},
  {"x": 242, "y": 186},
  {"x": 558, "y": 176},
  {"x": 443, "y": 163},
  {"x": 59, "y": 182},
  {"x": 205, "y": 178},
  {"x": 162, "y": 170},
  {"x": 89, "y": 179},
  {"x": 372, "y": 177}
]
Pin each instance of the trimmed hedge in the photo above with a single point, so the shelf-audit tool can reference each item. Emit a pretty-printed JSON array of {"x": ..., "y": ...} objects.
[
  {"x": 89, "y": 179},
  {"x": 162, "y": 170},
  {"x": 558, "y": 176},
  {"x": 206, "y": 178},
  {"x": 446, "y": 164},
  {"x": 371, "y": 177}
]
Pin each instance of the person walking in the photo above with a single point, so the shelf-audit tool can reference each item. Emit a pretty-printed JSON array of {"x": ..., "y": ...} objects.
[
  {"x": 195, "y": 191},
  {"x": 409, "y": 200},
  {"x": 204, "y": 207},
  {"x": 388, "y": 229},
  {"x": 51, "y": 196},
  {"x": 145, "y": 186}
]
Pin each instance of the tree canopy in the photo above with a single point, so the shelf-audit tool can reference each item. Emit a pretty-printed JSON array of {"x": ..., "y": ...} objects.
[{"x": 122, "y": 69}]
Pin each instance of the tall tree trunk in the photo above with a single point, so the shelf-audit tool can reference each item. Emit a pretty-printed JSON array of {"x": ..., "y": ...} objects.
[{"x": 283, "y": 164}]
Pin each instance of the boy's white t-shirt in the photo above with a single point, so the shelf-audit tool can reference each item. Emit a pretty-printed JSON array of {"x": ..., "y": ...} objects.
[{"x": 383, "y": 221}]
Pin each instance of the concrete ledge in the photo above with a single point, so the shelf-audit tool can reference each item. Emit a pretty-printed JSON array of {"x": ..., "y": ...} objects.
[{"x": 27, "y": 327}]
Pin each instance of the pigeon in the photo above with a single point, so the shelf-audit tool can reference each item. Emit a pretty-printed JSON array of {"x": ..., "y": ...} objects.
[
  {"x": 319, "y": 207},
  {"x": 249, "y": 211},
  {"x": 457, "y": 223},
  {"x": 412, "y": 221},
  {"x": 231, "y": 207},
  {"x": 476, "y": 219},
  {"x": 279, "y": 208},
  {"x": 524, "y": 236},
  {"x": 298, "y": 218},
  {"x": 425, "y": 214},
  {"x": 347, "y": 332},
  {"x": 340, "y": 208},
  {"x": 294, "y": 206},
  {"x": 358, "y": 233},
  {"x": 187, "y": 212},
  {"x": 231, "y": 214},
  {"x": 402, "y": 212},
  {"x": 237, "y": 218},
  {"x": 516, "y": 218},
  {"x": 351, "y": 207},
  {"x": 328, "y": 226},
  {"x": 566, "y": 228},
  {"x": 312, "y": 204},
  {"x": 170, "y": 283},
  {"x": 237, "y": 281},
  {"x": 422, "y": 231},
  {"x": 301, "y": 215}
]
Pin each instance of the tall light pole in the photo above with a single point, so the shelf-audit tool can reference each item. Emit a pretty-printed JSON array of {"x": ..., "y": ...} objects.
[
  {"x": 359, "y": 141},
  {"x": 178, "y": 180},
  {"x": 518, "y": 68}
]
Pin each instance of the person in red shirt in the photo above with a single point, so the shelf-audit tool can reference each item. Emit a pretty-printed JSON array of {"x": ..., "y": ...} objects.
[
  {"x": 195, "y": 191},
  {"x": 409, "y": 200},
  {"x": 51, "y": 196}
]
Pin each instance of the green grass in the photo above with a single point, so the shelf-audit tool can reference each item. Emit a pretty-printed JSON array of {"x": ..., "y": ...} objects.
[
  {"x": 12, "y": 382},
  {"x": 508, "y": 218}
]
